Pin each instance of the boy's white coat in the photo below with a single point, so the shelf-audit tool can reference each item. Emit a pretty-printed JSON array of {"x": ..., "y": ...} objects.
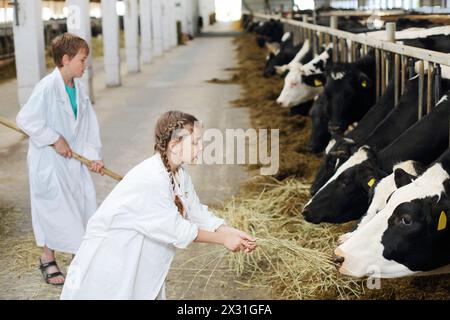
[{"x": 61, "y": 190}]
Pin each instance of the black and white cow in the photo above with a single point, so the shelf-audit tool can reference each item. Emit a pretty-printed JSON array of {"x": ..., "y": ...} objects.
[
  {"x": 350, "y": 92},
  {"x": 381, "y": 125},
  {"x": 320, "y": 136},
  {"x": 379, "y": 194},
  {"x": 304, "y": 82},
  {"x": 268, "y": 31},
  {"x": 409, "y": 235},
  {"x": 345, "y": 195},
  {"x": 300, "y": 53},
  {"x": 340, "y": 146}
]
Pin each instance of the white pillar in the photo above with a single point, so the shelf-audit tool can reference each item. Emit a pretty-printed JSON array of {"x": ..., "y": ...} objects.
[
  {"x": 146, "y": 30},
  {"x": 204, "y": 11},
  {"x": 111, "y": 53},
  {"x": 131, "y": 26},
  {"x": 157, "y": 28},
  {"x": 195, "y": 13},
  {"x": 29, "y": 48},
  {"x": 184, "y": 16},
  {"x": 79, "y": 23},
  {"x": 173, "y": 24},
  {"x": 166, "y": 25}
]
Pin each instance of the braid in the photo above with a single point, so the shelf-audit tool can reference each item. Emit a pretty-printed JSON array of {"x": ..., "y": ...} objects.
[
  {"x": 178, "y": 202},
  {"x": 166, "y": 129}
]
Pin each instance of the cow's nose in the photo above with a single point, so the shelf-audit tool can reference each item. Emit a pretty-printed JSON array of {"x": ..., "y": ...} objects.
[
  {"x": 307, "y": 215},
  {"x": 338, "y": 260}
]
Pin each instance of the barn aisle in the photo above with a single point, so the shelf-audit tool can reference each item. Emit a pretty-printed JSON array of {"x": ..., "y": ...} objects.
[{"x": 127, "y": 115}]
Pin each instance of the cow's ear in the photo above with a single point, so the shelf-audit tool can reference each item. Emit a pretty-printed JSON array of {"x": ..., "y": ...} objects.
[
  {"x": 368, "y": 181},
  {"x": 363, "y": 81},
  {"x": 402, "y": 178},
  {"x": 367, "y": 177},
  {"x": 315, "y": 80}
]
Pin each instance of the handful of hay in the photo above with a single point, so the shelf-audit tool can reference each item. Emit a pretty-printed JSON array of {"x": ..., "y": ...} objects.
[{"x": 293, "y": 258}]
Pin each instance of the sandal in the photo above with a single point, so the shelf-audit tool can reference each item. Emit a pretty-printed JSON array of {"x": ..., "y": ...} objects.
[{"x": 47, "y": 276}]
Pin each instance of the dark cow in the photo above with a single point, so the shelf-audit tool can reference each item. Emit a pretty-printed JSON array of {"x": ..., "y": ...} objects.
[
  {"x": 350, "y": 92},
  {"x": 285, "y": 55},
  {"x": 345, "y": 196},
  {"x": 319, "y": 132},
  {"x": 410, "y": 235},
  {"x": 381, "y": 126},
  {"x": 268, "y": 31}
]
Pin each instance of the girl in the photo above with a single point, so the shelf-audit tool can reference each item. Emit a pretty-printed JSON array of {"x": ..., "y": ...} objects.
[{"x": 131, "y": 239}]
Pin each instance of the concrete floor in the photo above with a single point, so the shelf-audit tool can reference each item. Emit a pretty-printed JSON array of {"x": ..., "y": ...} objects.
[{"x": 127, "y": 116}]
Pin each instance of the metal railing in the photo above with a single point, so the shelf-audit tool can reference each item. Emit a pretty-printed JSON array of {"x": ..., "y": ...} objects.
[{"x": 389, "y": 56}]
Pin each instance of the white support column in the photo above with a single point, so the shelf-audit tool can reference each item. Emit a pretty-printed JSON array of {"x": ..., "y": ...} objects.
[
  {"x": 29, "y": 48},
  {"x": 131, "y": 25},
  {"x": 195, "y": 13},
  {"x": 79, "y": 23},
  {"x": 146, "y": 30},
  {"x": 157, "y": 28},
  {"x": 173, "y": 24},
  {"x": 184, "y": 16},
  {"x": 111, "y": 53},
  {"x": 166, "y": 34}
]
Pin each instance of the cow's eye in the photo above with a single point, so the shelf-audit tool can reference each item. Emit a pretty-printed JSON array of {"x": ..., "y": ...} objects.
[{"x": 406, "y": 220}]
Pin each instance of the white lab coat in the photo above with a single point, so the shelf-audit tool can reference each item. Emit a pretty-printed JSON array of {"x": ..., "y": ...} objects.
[
  {"x": 61, "y": 190},
  {"x": 131, "y": 239}
]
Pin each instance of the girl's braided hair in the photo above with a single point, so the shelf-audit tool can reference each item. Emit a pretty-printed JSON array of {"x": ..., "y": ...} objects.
[{"x": 167, "y": 129}]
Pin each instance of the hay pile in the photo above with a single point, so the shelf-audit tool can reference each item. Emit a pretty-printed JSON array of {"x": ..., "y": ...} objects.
[{"x": 293, "y": 256}]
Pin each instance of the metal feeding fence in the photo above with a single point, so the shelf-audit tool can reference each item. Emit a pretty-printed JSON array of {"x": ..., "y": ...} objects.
[{"x": 391, "y": 57}]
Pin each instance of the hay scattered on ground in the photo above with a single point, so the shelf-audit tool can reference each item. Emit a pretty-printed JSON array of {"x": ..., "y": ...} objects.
[
  {"x": 19, "y": 260},
  {"x": 293, "y": 257}
]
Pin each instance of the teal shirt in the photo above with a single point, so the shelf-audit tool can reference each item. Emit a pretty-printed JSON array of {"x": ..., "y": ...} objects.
[{"x": 73, "y": 98}]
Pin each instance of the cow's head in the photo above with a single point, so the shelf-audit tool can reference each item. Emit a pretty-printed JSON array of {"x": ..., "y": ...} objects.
[
  {"x": 337, "y": 154},
  {"x": 298, "y": 87},
  {"x": 345, "y": 85},
  {"x": 409, "y": 235},
  {"x": 417, "y": 235},
  {"x": 345, "y": 196},
  {"x": 280, "y": 57}
]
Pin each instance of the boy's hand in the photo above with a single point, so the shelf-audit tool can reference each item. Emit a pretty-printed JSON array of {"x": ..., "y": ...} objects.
[
  {"x": 97, "y": 166},
  {"x": 62, "y": 147}
]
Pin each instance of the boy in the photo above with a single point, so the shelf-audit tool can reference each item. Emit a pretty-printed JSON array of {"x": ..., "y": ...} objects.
[{"x": 57, "y": 117}]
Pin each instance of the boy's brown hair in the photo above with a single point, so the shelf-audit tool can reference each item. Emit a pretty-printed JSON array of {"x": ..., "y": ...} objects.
[{"x": 69, "y": 44}]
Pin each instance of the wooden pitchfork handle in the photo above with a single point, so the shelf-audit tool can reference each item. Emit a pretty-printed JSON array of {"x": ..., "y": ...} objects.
[{"x": 75, "y": 155}]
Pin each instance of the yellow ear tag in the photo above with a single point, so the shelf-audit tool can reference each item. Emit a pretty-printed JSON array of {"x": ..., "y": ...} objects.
[
  {"x": 317, "y": 83},
  {"x": 371, "y": 182},
  {"x": 442, "y": 222},
  {"x": 364, "y": 84}
]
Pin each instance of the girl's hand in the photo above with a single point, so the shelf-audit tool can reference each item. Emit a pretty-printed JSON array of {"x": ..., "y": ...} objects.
[
  {"x": 97, "y": 166},
  {"x": 242, "y": 234},
  {"x": 233, "y": 242},
  {"x": 62, "y": 147},
  {"x": 236, "y": 243}
]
